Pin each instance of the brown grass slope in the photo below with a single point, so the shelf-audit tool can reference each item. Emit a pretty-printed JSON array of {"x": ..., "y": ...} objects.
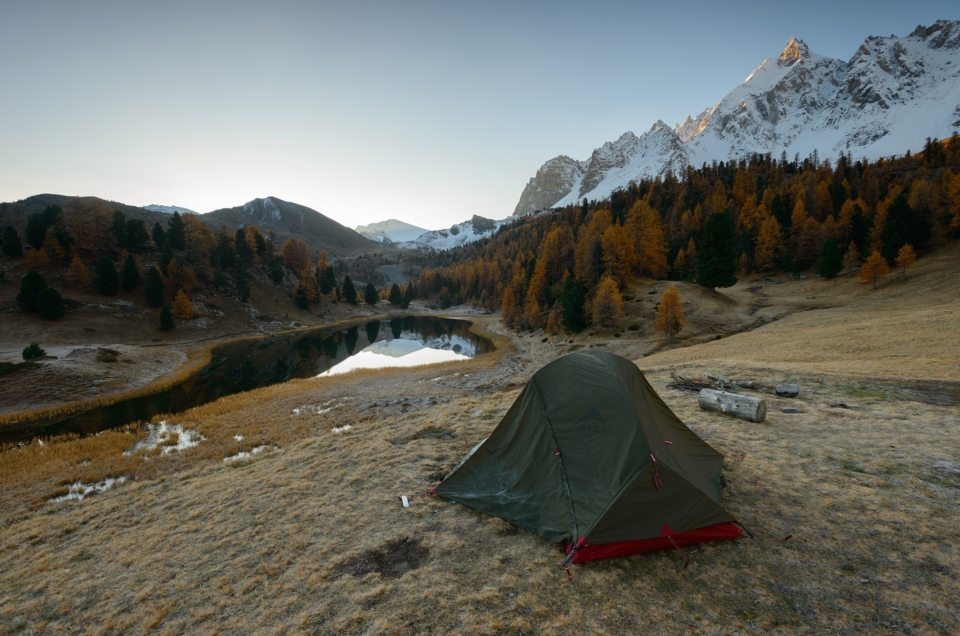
[{"x": 308, "y": 537}]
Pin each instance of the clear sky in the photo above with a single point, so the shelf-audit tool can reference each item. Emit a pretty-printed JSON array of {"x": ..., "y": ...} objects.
[{"x": 428, "y": 112}]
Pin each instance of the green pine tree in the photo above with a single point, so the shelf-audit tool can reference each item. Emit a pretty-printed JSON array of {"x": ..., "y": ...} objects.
[
  {"x": 159, "y": 236},
  {"x": 244, "y": 253},
  {"x": 300, "y": 298},
  {"x": 166, "y": 318},
  {"x": 137, "y": 235},
  {"x": 573, "y": 313},
  {"x": 106, "y": 281},
  {"x": 166, "y": 256},
  {"x": 370, "y": 294},
  {"x": 12, "y": 246},
  {"x": 831, "y": 260},
  {"x": 716, "y": 257},
  {"x": 154, "y": 287},
  {"x": 119, "y": 229},
  {"x": 130, "y": 275},
  {"x": 328, "y": 281},
  {"x": 408, "y": 295},
  {"x": 50, "y": 304},
  {"x": 396, "y": 296},
  {"x": 276, "y": 271},
  {"x": 30, "y": 287},
  {"x": 349, "y": 291},
  {"x": 176, "y": 234},
  {"x": 241, "y": 279},
  {"x": 903, "y": 225}
]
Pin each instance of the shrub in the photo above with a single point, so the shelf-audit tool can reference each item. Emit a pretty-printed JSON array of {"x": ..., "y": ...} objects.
[{"x": 33, "y": 351}]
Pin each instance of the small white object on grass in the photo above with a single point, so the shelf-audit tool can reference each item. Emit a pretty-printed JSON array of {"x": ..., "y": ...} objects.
[{"x": 406, "y": 503}]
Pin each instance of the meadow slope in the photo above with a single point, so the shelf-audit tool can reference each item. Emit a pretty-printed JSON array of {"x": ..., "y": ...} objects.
[{"x": 307, "y": 536}]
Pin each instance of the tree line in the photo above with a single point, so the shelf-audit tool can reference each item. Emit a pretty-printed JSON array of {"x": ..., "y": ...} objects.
[{"x": 708, "y": 225}]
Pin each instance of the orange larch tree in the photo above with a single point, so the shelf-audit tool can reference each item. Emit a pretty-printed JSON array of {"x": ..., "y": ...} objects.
[
  {"x": 669, "y": 317},
  {"x": 769, "y": 245},
  {"x": 182, "y": 308},
  {"x": 608, "y": 305},
  {"x": 874, "y": 269},
  {"x": 906, "y": 257}
]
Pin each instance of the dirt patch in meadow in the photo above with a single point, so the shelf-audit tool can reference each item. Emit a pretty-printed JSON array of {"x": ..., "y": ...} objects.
[{"x": 391, "y": 560}]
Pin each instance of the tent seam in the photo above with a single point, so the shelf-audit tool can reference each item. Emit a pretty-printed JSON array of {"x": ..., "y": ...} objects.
[{"x": 563, "y": 471}]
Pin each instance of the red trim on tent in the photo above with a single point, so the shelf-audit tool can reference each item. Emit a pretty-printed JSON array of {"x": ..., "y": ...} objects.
[{"x": 716, "y": 532}]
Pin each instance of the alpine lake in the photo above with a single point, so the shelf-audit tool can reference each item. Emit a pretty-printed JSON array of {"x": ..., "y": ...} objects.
[{"x": 250, "y": 364}]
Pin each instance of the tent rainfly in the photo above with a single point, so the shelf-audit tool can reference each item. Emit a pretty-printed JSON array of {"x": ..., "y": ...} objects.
[{"x": 591, "y": 457}]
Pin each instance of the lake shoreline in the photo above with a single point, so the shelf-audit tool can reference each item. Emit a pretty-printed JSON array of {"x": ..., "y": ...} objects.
[{"x": 17, "y": 426}]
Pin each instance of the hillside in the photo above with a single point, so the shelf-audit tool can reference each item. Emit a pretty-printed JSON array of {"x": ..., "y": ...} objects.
[
  {"x": 290, "y": 219},
  {"x": 851, "y": 500},
  {"x": 15, "y": 213},
  {"x": 890, "y": 96}
]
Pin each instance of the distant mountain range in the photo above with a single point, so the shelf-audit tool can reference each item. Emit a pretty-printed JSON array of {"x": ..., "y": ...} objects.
[
  {"x": 887, "y": 99},
  {"x": 460, "y": 234},
  {"x": 390, "y": 231},
  {"x": 406, "y": 236}
]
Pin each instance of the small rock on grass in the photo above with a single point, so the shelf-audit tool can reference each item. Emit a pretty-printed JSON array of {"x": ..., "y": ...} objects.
[
  {"x": 788, "y": 390},
  {"x": 789, "y": 409}
]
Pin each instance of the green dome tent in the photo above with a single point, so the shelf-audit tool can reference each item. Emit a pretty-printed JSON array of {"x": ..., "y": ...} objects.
[{"x": 590, "y": 456}]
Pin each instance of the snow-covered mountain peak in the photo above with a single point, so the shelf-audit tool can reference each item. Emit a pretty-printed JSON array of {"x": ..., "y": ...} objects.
[
  {"x": 265, "y": 208},
  {"x": 892, "y": 94},
  {"x": 793, "y": 52}
]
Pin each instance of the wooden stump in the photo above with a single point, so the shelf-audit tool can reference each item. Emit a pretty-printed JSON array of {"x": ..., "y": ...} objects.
[{"x": 742, "y": 406}]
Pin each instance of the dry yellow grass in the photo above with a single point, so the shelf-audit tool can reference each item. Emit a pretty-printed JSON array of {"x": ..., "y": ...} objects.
[
  {"x": 905, "y": 329},
  {"x": 309, "y": 537}
]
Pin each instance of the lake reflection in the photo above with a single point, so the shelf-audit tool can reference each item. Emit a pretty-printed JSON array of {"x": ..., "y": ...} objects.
[
  {"x": 406, "y": 342},
  {"x": 400, "y": 352},
  {"x": 250, "y": 364}
]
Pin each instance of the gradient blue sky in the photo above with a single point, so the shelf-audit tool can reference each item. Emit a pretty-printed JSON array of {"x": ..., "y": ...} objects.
[{"x": 428, "y": 112}]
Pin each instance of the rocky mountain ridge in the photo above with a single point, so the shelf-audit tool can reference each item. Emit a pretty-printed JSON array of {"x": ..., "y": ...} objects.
[{"x": 889, "y": 97}]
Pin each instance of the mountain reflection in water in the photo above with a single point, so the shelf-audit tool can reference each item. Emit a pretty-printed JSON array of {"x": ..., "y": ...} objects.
[{"x": 250, "y": 364}]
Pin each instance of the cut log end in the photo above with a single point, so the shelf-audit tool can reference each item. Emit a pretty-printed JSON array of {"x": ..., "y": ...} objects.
[{"x": 741, "y": 406}]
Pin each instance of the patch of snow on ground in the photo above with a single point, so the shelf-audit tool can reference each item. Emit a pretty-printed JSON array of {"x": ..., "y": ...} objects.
[
  {"x": 238, "y": 437},
  {"x": 247, "y": 454},
  {"x": 80, "y": 490},
  {"x": 161, "y": 434},
  {"x": 317, "y": 409},
  {"x": 341, "y": 429}
]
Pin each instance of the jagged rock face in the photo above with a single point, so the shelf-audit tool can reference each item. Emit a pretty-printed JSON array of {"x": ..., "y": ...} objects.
[
  {"x": 888, "y": 98},
  {"x": 607, "y": 157},
  {"x": 553, "y": 181}
]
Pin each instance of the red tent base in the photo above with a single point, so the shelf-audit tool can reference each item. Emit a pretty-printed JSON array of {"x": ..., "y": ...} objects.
[{"x": 717, "y": 532}]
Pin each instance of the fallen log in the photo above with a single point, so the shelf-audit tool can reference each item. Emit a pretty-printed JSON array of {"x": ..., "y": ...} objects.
[{"x": 742, "y": 406}]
